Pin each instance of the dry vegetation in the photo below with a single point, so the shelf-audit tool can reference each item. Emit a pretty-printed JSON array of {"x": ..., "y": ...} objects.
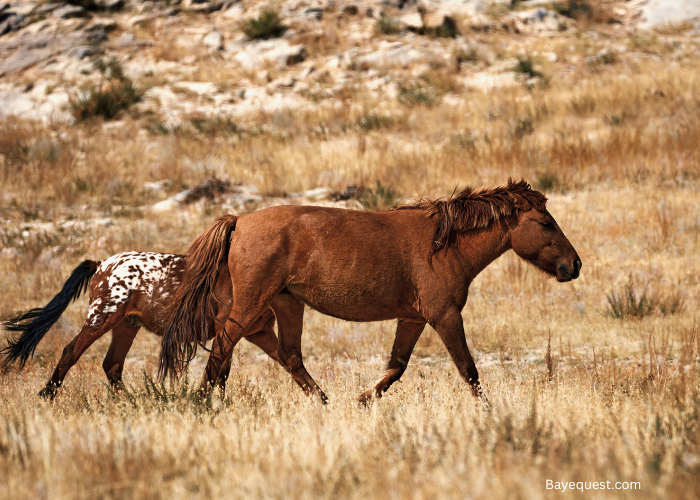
[{"x": 595, "y": 380}]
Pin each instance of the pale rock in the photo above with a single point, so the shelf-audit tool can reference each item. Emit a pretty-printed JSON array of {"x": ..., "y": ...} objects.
[
  {"x": 199, "y": 88},
  {"x": 171, "y": 203},
  {"x": 436, "y": 20},
  {"x": 157, "y": 187},
  {"x": 317, "y": 194},
  {"x": 102, "y": 23},
  {"x": 285, "y": 82},
  {"x": 301, "y": 87},
  {"x": 460, "y": 7},
  {"x": 277, "y": 51},
  {"x": 411, "y": 21},
  {"x": 315, "y": 13},
  {"x": 82, "y": 52},
  {"x": 208, "y": 7},
  {"x": 660, "y": 12},
  {"x": 420, "y": 70},
  {"x": 235, "y": 12},
  {"x": 110, "y": 5},
  {"x": 140, "y": 20},
  {"x": 214, "y": 40},
  {"x": 263, "y": 76},
  {"x": 394, "y": 54},
  {"x": 70, "y": 11},
  {"x": 538, "y": 20},
  {"x": 23, "y": 9}
]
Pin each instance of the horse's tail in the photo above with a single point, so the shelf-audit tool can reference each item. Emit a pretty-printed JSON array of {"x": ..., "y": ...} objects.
[
  {"x": 192, "y": 305},
  {"x": 35, "y": 323}
]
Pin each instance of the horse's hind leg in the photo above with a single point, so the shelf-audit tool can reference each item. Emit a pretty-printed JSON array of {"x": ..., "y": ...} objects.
[
  {"x": 123, "y": 335},
  {"x": 290, "y": 317},
  {"x": 266, "y": 340},
  {"x": 72, "y": 352},
  {"x": 261, "y": 334},
  {"x": 407, "y": 334}
]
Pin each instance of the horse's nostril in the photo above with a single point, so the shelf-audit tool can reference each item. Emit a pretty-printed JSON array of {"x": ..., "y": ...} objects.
[{"x": 577, "y": 265}]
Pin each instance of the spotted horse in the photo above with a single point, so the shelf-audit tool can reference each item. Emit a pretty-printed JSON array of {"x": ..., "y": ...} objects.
[{"x": 126, "y": 291}]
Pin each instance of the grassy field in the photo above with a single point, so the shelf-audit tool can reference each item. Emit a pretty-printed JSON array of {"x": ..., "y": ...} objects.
[{"x": 591, "y": 381}]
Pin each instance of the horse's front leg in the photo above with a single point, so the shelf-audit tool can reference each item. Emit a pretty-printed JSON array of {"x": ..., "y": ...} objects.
[{"x": 451, "y": 331}]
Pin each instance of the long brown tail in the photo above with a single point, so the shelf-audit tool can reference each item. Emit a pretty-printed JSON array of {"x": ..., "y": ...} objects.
[{"x": 192, "y": 305}]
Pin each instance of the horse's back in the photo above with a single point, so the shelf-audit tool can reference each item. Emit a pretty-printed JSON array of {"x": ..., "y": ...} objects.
[{"x": 350, "y": 264}]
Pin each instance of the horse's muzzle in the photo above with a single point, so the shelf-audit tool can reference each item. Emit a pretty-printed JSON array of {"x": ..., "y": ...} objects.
[{"x": 564, "y": 274}]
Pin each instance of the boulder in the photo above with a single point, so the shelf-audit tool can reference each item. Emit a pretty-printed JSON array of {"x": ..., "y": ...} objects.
[
  {"x": 234, "y": 12},
  {"x": 537, "y": 20},
  {"x": 82, "y": 52},
  {"x": 412, "y": 21},
  {"x": 109, "y": 5},
  {"x": 214, "y": 40},
  {"x": 278, "y": 51},
  {"x": 390, "y": 55},
  {"x": 47, "y": 8},
  {"x": 439, "y": 20},
  {"x": 313, "y": 13},
  {"x": 21, "y": 9},
  {"x": 209, "y": 7},
  {"x": 659, "y": 12},
  {"x": 70, "y": 11},
  {"x": 13, "y": 23},
  {"x": 22, "y": 59}
]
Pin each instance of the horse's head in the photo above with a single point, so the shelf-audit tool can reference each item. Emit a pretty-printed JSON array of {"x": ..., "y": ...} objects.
[{"x": 538, "y": 239}]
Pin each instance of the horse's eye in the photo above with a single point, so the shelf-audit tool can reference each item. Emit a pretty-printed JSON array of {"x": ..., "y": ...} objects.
[{"x": 545, "y": 224}]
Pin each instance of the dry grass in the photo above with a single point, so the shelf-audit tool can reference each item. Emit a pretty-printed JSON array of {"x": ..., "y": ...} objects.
[{"x": 578, "y": 394}]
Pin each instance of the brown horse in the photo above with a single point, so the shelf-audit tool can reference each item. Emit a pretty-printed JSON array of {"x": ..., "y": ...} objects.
[
  {"x": 414, "y": 264},
  {"x": 127, "y": 291}
]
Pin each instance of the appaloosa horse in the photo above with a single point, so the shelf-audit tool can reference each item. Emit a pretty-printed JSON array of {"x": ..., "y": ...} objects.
[
  {"x": 414, "y": 264},
  {"x": 127, "y": 291}
]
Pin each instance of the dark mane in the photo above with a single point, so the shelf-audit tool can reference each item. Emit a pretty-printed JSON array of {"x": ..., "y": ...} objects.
[{"x": 477, "y": 208}]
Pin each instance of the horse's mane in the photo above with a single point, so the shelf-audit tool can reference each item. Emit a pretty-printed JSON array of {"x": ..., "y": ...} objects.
[{"x": 477, "y": 208}]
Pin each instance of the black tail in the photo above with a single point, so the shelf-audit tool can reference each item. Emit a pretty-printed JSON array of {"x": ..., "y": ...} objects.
[{"x": 35, "y": 323}]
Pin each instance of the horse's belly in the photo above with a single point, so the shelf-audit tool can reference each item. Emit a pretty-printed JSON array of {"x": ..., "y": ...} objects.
[{"x": 347, "y": 304}]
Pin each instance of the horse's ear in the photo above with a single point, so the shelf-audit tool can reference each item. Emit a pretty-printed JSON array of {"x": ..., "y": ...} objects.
[{"x": 519, "y": 202}]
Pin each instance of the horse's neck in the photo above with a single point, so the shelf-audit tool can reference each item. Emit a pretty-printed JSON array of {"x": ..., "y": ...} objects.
[{"x": 480, "y": 248}]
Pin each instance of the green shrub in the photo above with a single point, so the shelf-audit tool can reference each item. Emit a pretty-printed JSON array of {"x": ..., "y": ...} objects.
[
  {"x": 573, "y": 9},
  {"x": 526, "y": 66},
  {"x": 266, "y": 25},
  {"x": 114, "y": 94},
  {"x": 387, "y": 26},
  {"x": 380, "y": 198},
  {"x": 631, "y": 303},
  {"x": 419, "y": 96}
]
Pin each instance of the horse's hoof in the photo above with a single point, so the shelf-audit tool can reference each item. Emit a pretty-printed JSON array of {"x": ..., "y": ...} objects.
[
  {"x": 364, "y": 399},
  {"x": 47, "y": 393}
]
